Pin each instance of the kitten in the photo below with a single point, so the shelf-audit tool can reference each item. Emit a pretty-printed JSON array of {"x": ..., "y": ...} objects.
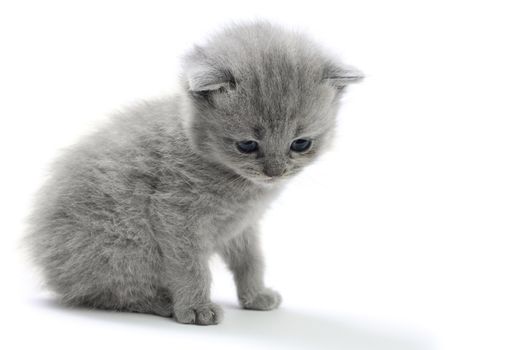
[{"x": 130, "y": 215}]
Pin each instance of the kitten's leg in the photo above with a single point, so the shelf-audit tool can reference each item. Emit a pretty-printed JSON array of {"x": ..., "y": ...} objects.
[
  {"x": 244, "y": 258},
  {"x": 190, "y": 287}
]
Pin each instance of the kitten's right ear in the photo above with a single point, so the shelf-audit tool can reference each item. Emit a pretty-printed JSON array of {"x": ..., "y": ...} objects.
[
  {"x": 340, "y": 76},
  {"x": 204, "y": 76}
]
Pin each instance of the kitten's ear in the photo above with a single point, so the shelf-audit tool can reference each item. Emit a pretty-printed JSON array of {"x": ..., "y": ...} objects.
[
  {"x": 203, "y": 76},
  {"x": 341, "y": 76}
]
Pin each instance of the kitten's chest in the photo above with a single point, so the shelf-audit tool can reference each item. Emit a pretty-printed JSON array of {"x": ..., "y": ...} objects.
[{"x": 227, "y": 216}]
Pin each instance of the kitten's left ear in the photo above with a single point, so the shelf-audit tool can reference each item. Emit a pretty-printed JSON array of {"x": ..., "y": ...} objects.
[
  {"x": 341, "y": 76},
  {"x": 204, "y": 76}
]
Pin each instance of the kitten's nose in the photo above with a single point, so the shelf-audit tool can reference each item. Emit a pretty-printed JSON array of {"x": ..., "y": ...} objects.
[{"x": 274, "y": 169}]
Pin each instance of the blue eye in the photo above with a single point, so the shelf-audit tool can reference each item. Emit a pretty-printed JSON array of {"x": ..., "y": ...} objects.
[
  {"x": 301, "y": 145},
  {"x": 248, "y": 146}
]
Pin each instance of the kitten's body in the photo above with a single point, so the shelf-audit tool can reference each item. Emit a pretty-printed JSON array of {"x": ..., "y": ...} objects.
[{"x": 131, "y": 215}]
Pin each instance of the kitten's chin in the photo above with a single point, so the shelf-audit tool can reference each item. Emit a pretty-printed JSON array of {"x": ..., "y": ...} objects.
[
  {"x": 268, "y": 182},
  {"x": 261, "y": 181}
]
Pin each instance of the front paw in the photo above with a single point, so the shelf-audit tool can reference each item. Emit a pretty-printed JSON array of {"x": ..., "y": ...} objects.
[
  {"x": 266, "y": 299},
  {"x": 206, "y": 314}
]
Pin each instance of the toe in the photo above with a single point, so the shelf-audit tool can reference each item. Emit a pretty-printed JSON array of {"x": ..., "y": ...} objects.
[
  {"x": 187, "y": 316},
  {"x": 202, "y": 315},
  {"x": 265, "y": 300},
  {"x": 209, "y": 315}
]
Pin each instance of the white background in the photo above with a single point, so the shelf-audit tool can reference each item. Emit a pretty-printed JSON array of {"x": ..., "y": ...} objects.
[{"x": 402, "y": 237}]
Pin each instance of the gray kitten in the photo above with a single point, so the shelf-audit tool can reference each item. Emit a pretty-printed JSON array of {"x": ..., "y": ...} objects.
[{"x": 131, "y": 215}]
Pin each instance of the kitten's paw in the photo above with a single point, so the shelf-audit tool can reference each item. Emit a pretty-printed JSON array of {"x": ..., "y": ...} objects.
[
  {"x": 266, "y": 299},
  {"x": 207, "y": 314}
]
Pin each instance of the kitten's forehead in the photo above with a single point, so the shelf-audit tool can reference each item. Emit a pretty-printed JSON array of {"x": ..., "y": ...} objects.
[
  {"x": 274, "y": 112},
  {"x": 278, "y": 89},
  {"x": 279, "y": 100}
]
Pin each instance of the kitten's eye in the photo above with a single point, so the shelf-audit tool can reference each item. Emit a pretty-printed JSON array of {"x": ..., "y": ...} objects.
[
  {"x": 300, "y": 145},
  {"x": 248, "y": 146}
]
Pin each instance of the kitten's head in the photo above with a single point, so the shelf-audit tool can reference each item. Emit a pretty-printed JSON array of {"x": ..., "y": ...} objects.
[{"x": 262, "y": 100}]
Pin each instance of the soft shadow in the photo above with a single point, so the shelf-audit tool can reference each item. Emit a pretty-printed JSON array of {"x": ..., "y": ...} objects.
[
  {"x": 283, "y": 327},
  {"x": 312, "y": 331}
]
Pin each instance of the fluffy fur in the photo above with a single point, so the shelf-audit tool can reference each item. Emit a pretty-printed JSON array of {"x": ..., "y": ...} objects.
[{"x": 130, "y": 215}]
